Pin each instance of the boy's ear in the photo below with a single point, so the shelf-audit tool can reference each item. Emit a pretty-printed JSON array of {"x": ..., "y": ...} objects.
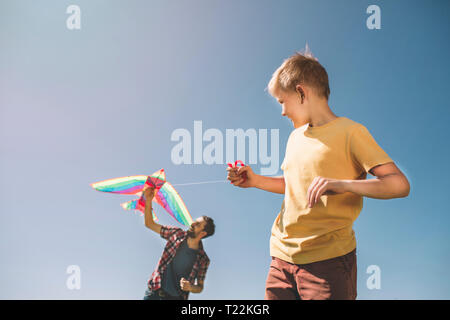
[
  {"x": 203, "y": 234},
  {"x": 300, "y": 91}
]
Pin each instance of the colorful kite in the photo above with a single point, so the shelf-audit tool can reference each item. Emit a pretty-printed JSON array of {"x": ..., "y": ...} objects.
[{"x": 165, "y": 194}]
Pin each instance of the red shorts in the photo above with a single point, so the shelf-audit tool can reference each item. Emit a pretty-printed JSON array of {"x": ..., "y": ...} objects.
[{"x": 332, "y": 279}]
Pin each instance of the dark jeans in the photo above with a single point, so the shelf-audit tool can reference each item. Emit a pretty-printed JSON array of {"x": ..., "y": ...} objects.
[{"x": 159, "y": 295}]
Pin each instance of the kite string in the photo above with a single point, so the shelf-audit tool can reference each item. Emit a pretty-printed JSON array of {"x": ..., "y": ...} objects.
[{"x": 203, "y": 182}]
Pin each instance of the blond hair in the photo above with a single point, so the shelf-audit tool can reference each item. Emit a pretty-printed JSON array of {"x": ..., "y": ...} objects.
[{"x": 300, "y": 69}]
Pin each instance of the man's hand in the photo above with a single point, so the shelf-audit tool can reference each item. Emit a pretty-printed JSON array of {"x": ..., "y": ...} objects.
[
  {"x": 185, "y": 285},
  {"x": 149, "y": 193},
  {"x": 324, "y": 186},
  {"x": 243, "y": 177}
]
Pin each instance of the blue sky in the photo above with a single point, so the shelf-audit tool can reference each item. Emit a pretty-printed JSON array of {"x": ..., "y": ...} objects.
[{"x": 80, "y": 106}]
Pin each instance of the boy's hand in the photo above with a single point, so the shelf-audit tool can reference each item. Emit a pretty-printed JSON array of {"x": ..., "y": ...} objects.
[
  {"x": 185, "y": 285},
  {"x": 324, "y": 186},
  {"x": 149, "y": 193},
  {"x": 243, "y": 177}
]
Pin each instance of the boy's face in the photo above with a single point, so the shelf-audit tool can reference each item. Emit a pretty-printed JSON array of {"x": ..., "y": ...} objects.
[{"x": 292, "y": 107}]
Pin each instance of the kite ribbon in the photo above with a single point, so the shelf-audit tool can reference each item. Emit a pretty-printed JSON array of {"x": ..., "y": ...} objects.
[{"x": 236, "y": 163}]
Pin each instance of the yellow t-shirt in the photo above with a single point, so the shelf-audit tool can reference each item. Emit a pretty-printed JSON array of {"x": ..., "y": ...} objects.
[{"x": 339, "y": 149}]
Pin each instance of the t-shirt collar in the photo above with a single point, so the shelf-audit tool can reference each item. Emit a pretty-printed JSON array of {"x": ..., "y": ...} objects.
[{"x": 326, "y": 125}]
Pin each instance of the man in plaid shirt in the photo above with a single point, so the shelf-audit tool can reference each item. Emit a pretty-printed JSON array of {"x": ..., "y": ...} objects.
[{"x": 183, "y": 257}]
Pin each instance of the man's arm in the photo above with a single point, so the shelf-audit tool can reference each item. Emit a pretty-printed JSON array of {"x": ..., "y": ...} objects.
[
  {"x": 149, "y": 193},
  {"x": 197, "y": 288},
  {"x": 244, "y": 177},
  {"x": 187, "y": 286}
]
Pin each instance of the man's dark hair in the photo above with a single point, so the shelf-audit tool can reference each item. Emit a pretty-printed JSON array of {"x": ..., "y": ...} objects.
[{"x": 210, "y": 227}]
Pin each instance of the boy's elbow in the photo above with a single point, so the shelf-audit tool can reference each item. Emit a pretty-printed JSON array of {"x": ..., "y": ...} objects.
[
  {"x": 397, "y": 186},
  {"x": 404, "y": 188},
  {"x": 407, "y": 189}
]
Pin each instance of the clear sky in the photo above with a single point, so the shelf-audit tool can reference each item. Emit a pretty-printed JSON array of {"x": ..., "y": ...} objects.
[{"x": 80, "y": 106}]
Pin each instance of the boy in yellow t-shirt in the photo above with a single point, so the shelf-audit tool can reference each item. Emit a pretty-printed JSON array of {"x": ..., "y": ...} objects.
[{"x": 327, "y": 158}]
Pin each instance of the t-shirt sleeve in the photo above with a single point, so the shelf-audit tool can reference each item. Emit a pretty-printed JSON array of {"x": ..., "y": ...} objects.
[{"x": 365, "y": 151}]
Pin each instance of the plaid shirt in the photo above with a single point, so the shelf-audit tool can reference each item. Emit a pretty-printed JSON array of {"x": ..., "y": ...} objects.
[{"x": 175, "y": 236}]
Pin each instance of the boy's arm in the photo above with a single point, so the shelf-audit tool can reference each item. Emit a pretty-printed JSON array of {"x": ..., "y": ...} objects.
[
  {"x": 390, "y": 183},
  {"x": 370, "y": 157},
  {"x": 149, "y": 193},
  {"x": 244, "y": 177},
  {"x": 271, "y": 184}
]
